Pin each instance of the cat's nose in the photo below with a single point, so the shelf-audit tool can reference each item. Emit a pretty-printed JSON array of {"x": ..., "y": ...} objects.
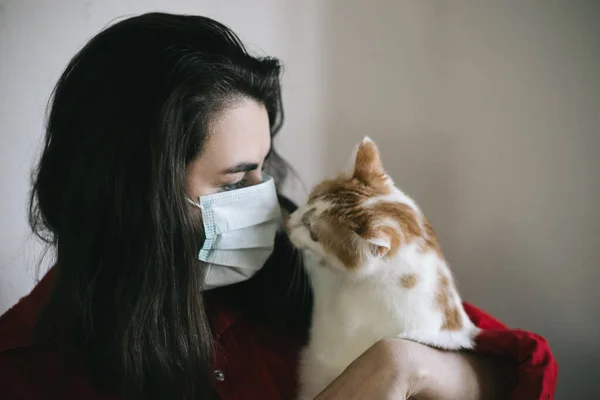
[{"x": 290, "y": 222}]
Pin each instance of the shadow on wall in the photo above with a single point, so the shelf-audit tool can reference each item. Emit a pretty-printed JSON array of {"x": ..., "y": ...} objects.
[{"x": 487, "y": 116}]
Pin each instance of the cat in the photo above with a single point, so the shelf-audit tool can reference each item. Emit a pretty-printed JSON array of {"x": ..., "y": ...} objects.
[{"x": 376, "y": 270}]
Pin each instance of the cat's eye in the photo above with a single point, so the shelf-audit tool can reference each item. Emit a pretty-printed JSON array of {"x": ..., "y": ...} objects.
[
  {"x": 307, "y": 216},
  {"x": 306, "y": 221}
]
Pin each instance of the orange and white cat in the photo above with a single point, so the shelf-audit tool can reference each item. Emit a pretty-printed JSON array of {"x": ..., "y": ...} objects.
[{"x": 376, "y": 270}]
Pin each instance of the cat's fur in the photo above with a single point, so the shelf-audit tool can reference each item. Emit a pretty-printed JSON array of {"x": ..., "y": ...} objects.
[{"x": 376, "y": 270}]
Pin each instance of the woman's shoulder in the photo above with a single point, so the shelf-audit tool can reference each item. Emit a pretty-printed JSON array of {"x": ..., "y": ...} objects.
[
  {"x": 31, "y": 364},
  {"x": 18, "y": 324},
  {"x": 37, "y": 372}
]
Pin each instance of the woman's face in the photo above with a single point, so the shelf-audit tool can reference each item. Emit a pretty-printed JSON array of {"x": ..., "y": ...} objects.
[{"x": 238, "y": 141}]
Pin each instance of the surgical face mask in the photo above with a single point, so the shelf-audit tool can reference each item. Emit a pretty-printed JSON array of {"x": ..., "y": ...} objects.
[{"x": 240, "y": 228}]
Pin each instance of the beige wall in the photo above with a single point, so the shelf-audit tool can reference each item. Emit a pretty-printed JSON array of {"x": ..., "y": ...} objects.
[{"x": 487, "y": 112}]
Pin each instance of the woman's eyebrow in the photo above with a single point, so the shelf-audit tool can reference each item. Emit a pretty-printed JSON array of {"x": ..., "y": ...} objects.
[{"x": 241, "y": 167}]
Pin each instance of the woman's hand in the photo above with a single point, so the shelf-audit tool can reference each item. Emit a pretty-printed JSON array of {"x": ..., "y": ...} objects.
[{"x": 400, "y": 369}]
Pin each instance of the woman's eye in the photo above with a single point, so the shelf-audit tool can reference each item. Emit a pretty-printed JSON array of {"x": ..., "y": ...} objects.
[{"x": 233, "y": 186}]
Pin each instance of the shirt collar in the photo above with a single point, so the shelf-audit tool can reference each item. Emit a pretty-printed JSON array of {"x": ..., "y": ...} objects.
[{"x": 221, "y": 316}]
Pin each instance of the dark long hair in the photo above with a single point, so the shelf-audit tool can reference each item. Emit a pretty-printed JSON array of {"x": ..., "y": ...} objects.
[{"x": 127, "y": 116}]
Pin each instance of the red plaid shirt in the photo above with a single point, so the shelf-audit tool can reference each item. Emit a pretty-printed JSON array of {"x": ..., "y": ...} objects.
[{"x": 251, "y": 362}]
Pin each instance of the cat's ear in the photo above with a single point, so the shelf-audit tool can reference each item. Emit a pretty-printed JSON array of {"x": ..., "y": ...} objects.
[
  {"x": 368, "y": 167},
  {"x": 379, "y": 246}
]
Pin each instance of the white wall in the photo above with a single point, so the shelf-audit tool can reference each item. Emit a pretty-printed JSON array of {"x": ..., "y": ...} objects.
[
  {"x": 37, "y": 39},
  {"x": 486, "y": 112}
]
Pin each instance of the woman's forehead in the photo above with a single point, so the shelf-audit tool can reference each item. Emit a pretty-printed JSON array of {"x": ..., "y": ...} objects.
[{"x": 238, "y": 134}]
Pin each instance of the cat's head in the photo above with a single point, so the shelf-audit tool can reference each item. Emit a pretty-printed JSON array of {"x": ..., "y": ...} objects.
[{"x": 360, "y": 220}]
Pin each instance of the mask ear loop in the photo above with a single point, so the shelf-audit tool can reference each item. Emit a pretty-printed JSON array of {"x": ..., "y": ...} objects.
[{"x": 193, "y": 202}]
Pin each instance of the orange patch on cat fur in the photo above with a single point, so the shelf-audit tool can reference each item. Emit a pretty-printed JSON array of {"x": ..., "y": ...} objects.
[
  {"x": 408, "y": 281},
  {"x": 349, "y": 217},
  {"x": 359, "y": 219},
  {"x": 398, "y": 212},
  {"x": 347, "y": 195},
  {"x": 337, "y": 241},
  {"x": 349, "y": 214},
  {"x": 401, "y": 213},
  {"x": 431, "y": 241},
  {"x": 393, "y": 235},
  {"x": 452, "y": 320}
]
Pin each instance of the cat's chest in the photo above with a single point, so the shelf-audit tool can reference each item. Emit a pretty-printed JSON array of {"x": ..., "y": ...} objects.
[
  {"x": 351, "y": 310},
  {"x": 347, "y": 321},
  {"x": 354, "y": 308},
  {"x": 348, "y": 317}
]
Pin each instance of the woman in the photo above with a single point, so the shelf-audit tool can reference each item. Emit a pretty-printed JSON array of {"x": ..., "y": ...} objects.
[{"x": 155, "y": 115}]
